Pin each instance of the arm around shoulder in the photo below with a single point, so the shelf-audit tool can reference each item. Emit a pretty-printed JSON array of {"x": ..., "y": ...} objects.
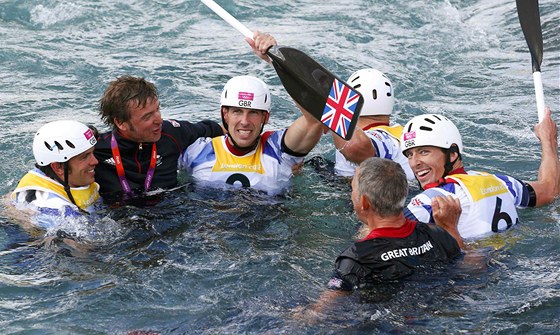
[
  {"x": 446, "y": 212},
  {"x": 190, "y": 131}
]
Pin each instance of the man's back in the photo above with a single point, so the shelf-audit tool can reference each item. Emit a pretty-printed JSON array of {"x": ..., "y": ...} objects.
[{"x": 392, "y": 253}]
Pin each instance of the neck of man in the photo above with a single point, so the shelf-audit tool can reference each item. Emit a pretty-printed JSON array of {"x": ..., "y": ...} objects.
[
  {"x": 237, "y": 150},
  {"x": 457, "y": 165},
  {"x": 374, "y": 221}
]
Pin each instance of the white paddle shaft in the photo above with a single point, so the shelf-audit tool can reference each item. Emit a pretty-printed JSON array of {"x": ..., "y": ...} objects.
[
  {"x": 228, "y": 18},
  {"x": 539, "y": 94}
]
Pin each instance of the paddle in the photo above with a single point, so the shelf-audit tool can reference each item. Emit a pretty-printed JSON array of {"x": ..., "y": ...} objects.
[
  {"x": 325, "y": 96},
  {"x": 528, "y": 12}
]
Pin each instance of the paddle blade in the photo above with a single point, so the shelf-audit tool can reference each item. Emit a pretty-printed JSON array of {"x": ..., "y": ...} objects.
[
  {"x": 529, "y": 17},
  {"x": 322, "y": 94}
]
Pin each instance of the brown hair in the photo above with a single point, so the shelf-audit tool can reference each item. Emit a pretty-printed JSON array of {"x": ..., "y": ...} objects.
[{"x": 115, "y": 101}]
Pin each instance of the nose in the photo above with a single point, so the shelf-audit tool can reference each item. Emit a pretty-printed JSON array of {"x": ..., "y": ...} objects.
[
  {"x": 245, "y": 118},
  {"x": 93, "y": 161},
  {"x": 158, "y": 119}
]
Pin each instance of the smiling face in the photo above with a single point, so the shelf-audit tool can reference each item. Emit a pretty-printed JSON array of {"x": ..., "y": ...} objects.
[
  {"x": 427, "y": 163},
  {"x": 81, "y": 169},
  {"x": 244, "y": 124},
  {"x": 145, "y": 122}
]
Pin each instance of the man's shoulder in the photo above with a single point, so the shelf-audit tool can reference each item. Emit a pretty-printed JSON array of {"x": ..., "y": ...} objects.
[
  {"x": 186, "y": 130},
  {"x": 172, "y": 123},
  {"x": 273, "y": 135},
  {"x": 203, "y": 144}
]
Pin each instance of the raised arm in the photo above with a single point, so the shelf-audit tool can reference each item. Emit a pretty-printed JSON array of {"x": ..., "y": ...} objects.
[
  {"x": 306, "y": 131},
  {"x": 547, "y": 186},
  {"x": 357, "y": 149}
]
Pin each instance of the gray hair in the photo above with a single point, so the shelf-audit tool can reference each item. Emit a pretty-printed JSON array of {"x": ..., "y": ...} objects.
[{"x": 384, "y": 184}]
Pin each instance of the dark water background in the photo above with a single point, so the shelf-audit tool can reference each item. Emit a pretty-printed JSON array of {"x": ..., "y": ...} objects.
[{"x": 212, "y": 262}]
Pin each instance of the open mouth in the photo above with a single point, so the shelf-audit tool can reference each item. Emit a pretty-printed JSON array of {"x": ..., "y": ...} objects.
[{"x": 423, "y": 174}]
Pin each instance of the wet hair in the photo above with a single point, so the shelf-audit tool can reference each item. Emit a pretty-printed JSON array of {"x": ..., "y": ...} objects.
[
  {"x": 114, "y": 102},
  {"x": 384, "y": 184}
]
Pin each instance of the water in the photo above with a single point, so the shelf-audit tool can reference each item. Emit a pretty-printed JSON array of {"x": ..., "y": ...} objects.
[{"x": 222, "y": 262}]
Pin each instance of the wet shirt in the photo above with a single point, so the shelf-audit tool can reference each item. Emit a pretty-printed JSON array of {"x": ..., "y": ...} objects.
[
  {"x": 488, "y": 202},
  {"x": 267, "y": 168},
  {"x": 392, "y": 253},
  {"x": 176, "y": 136},
  {"x": 387, "y": 145},
  {"x": 48, "y": 199}
]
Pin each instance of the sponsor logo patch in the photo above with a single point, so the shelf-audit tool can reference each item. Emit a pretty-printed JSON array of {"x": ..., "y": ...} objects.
[
  {"x": 245, "y": 96},
  {"x": 88, "y": 134},
  {"x": 89, "y": 137},
  {"x": 409, "y": 136}
]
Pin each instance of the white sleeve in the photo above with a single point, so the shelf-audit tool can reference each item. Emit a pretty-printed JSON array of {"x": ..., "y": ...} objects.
[{"x": 191, "y": 152}]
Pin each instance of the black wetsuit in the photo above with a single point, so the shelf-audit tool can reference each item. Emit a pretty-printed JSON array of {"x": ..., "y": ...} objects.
[
  {"x": 175, "y": 137},
  {"x": 392, "y": 253}
]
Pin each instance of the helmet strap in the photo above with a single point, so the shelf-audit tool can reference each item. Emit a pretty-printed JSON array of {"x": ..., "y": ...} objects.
[
  {"x": 67, "y": 188},
  {"x": 448, "y": 163}
]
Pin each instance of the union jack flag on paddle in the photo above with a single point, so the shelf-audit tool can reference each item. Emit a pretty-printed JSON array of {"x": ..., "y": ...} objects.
[{"x": 340, "y": 108}]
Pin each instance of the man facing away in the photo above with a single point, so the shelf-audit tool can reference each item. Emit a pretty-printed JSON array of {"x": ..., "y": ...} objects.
[
  {"x": 391, "y": 246},
  {"x": 373, "y": 136}
]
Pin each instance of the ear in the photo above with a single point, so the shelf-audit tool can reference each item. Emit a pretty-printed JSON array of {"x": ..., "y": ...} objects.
[
  {"x": 453, "y": 156},
  {"x": 58, "y": 169},
  {"x": 266, "y": 117},
  {"x": 364, "y": 203},
  {"x": 122, "y": 126},
  {"x": 223, "y": 110}
]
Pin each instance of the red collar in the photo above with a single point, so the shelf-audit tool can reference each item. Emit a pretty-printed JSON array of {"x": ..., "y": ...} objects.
[
  {"x": 403, "y": 231},
  {"x": 446, "y": 180},
  {"x": 237, "y": 151},
  {"x": 375, "y": 124}
]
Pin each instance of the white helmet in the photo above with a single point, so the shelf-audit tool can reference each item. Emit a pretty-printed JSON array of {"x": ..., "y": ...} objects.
[
  {"x": 376, "y": 89},
  {"x": 430, "y": 130},
  {"x": 246, "y": 92},
  {"x": 59, "y": 141}
]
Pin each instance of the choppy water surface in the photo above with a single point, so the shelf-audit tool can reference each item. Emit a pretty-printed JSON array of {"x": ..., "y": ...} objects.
[{"x": 202, "y": 261}]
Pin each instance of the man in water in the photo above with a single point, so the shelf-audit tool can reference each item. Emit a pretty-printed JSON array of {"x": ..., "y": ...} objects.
[
  {"x": 140, "y": 153},
  {"x": 373, "y": 136},
  {"x": 390, "y": 246},
  {"x": 433, "y": 146},
  {"x": 62, "y": 184},
  {"x": 247, "y": 155}
]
